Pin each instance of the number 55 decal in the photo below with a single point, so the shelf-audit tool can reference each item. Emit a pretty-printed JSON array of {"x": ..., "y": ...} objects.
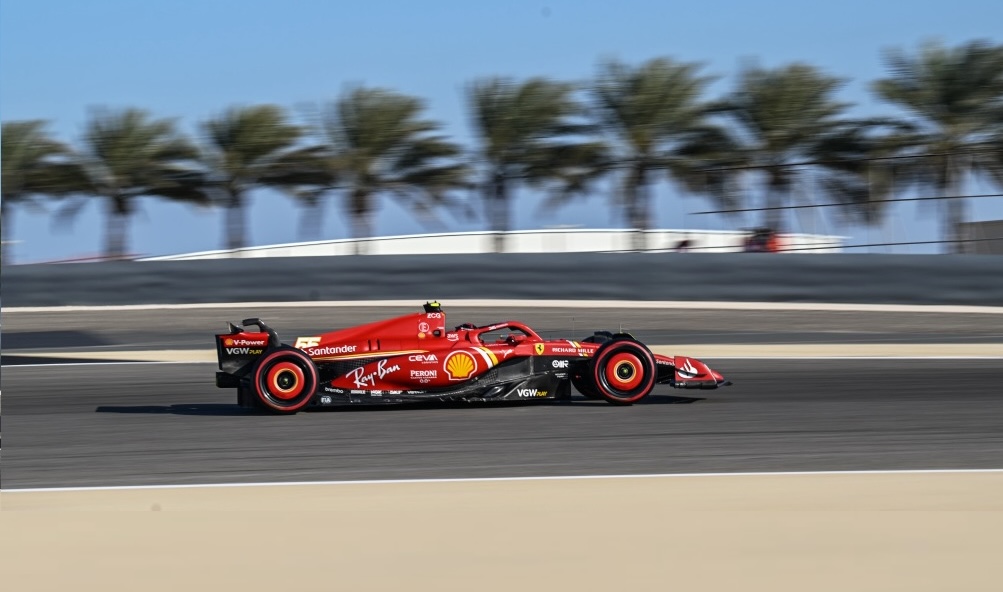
[{"x": 302, "y": 342}]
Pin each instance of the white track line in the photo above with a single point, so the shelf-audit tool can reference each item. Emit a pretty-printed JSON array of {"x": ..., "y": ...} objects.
[
  {"x": 705, "y": 358},
  {"x": 117, "y": 363},
  {"x": 501, "y": 479},
  {"x": 528, "y": 303}
]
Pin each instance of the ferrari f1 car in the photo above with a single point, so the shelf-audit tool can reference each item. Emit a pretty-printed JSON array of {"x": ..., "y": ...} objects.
[{"x": 415, "y": 357}]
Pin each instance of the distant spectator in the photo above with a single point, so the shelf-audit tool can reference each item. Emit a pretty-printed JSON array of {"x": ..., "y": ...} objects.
[
  {"x": 762, "y": 240},
  {"x": 683, "y": 246}
]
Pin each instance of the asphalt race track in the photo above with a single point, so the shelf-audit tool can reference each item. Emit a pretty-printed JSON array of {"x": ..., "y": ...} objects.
[{"x": 145, "y": 424}]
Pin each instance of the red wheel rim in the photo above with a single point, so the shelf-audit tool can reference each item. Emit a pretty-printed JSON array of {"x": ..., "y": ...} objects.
[
  {"x": 624, "y": 371},
  {"x": 285, "y": 381}
]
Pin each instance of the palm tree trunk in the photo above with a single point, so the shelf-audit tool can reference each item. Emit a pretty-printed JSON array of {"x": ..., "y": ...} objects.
[
  {"x": 361, "y": 221},
  {"x": 498, "y": 212},
  {"x": 117, "y": 225},
  {"x": 234, "y": 222},
  {"x": 776, "y": 195},
  {"x": 311, "y": 221},
  {"x": 638, "y": 207},
  {"x": 957, "y": 210},
  {"x": 6, "y": 248}
]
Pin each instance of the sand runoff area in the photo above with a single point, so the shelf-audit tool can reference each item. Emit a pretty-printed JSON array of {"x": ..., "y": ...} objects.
[{"x": 807, "y": 532}]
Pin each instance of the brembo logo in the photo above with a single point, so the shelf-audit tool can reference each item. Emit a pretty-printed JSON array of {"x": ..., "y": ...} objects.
[
  {"x": 330, "y": 350},
  {"x": 230, "y": 342}
]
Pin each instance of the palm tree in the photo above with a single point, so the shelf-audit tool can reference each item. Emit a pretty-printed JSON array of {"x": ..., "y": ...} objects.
[
  {"x": 658, "y": 123},
  {"x": 861, "y": 168},
  {"x": 250, "y": 147},
  {"x": 529, "y": 134},
  {"x": 784, "y": 116},
  {"x": 954, "y": 97},
  {"x": 128, "y": 155},
  {"x": 33, "y": 164},
  {"x": 379, "y": 143}
]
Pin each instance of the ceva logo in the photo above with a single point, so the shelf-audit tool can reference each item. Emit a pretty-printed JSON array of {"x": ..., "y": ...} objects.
[{"x": 425, "y": 358}]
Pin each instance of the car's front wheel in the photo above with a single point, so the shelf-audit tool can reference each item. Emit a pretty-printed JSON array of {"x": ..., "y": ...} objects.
[
  {"x": 582, "y": 383},
  {"x": 623, "y": 372},
  {"x": 285, "y": 380}
]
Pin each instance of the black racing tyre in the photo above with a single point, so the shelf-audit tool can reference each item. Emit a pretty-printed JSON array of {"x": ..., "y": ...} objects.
[
  {"x": 246, "y": 398},
  {"x": 623, "y": 371},
  {"x": 583, "y": 385},
  {"x": 284, "y": 381}
]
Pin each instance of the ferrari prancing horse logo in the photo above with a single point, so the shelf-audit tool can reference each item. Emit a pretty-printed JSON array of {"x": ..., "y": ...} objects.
[{"x": 539, "y": 349}]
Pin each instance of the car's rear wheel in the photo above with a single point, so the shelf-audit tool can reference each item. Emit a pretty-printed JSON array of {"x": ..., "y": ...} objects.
[
  {"x": 285, "y": 381},
  {"x": 623, "y": 372}
]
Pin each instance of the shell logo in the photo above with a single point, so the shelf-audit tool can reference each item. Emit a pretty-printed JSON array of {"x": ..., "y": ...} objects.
[
  {"x": 228, "y": 342},
  {"x": 460, "y": 365}
]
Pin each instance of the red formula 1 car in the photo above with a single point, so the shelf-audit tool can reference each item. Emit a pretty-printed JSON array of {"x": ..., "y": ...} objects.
[{"x": 416, "y": 358}]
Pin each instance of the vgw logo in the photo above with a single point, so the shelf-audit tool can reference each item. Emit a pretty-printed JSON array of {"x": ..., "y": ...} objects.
[
  {"x": 242, "y": 351},
  {"x": 529, "y": 393}
]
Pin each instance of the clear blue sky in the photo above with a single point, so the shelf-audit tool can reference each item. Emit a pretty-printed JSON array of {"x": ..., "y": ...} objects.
[{"x": 190, "y": 59}]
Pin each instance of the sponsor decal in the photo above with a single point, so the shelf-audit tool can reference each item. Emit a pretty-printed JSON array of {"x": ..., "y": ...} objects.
[
  {"x": 560, "y": 363},
  {"x": 325, "y": 399},
  {"x": 539, "y": 349},
  {"x": 424, "y": 376},
  {"x": 663, "y": 362},
  {"x": 376, "y": 393},
  {"x": 424, "y": 358},
  {"x": 363, "y": 380},
  {"x": 452, "y": 336},
  {"x": 460, "y": 365},
  {"x": 230, "y": 342},
  {"x": 243, "y": 351},
  {"x": 570, "y": 350},
  {"x": 423, "y": 327},
  {"x": 395, "y": 392},
  {"x": 421, "y": 336},
  {"x": 530, "y": 393},
  {"x": 337, "y": 391},
  {"x": 305, "y": 342},
  {"x": 330, "y": 350},
  {"x": 505, "y": 353},
  {"x": 434, "y": 315},
  {"x": 687, "y": 371},
  {"x": 489, "y": 356}
]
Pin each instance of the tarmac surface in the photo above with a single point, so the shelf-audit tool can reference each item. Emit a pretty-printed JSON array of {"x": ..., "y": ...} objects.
[
  {"x": 147, "y": 424},
  {"x": 94, "y": 423}
]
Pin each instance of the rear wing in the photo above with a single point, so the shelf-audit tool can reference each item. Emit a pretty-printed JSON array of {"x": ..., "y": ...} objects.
[{"x": 238, "y": 349}]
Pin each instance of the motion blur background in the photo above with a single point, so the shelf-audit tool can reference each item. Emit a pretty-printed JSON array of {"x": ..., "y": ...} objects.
[
  {"x": 136, "y": 129},
  {"x": 140, "y": 129}
]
